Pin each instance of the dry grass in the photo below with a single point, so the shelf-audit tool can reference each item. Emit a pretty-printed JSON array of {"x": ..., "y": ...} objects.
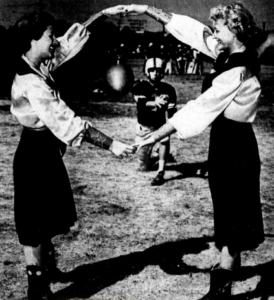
[{"x": 134, "y": 241}]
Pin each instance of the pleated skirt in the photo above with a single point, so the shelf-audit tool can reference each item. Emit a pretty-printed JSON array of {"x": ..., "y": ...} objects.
[
  {"x": 234, "y": 180},
  {"x": 43, "y": 201}
]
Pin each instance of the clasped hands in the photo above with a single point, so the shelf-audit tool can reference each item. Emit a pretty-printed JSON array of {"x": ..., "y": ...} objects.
[
  {"x": 122, "y": 150},
  {"x": 132, "y": 9}
]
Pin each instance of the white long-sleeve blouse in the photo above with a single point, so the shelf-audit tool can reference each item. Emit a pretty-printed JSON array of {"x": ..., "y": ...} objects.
[
  {"x": 235, "y": 92},
  {"x": 36, "y": 103}
]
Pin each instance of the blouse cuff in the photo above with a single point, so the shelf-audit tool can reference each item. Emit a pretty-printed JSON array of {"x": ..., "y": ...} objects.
[{"x": 79, "y": 139}]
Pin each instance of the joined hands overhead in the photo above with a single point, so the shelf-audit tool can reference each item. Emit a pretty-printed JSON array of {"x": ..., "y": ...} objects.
[{"x": 132, "y": 9}]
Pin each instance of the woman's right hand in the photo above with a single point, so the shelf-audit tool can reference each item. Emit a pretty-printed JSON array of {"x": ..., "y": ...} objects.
[
  {"x": 135, "y": 9},
  {"x": 115, "y": 10}
]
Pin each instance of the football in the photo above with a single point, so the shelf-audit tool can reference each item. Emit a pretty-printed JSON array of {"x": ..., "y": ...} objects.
[{"x": 119, "y": 78}]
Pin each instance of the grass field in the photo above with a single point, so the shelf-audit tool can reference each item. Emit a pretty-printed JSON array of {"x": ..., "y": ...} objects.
[{"x": 133, "y": 241}]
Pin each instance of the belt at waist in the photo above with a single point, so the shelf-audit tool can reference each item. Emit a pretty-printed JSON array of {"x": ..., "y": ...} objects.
[{"x": 44, "y": 128}]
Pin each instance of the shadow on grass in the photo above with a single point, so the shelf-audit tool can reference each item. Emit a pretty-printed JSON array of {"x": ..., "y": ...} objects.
[
  {"x": 264, "y": 289},
  {"x": 89, "y": 279},
  {"x": 199, "y": 169}
]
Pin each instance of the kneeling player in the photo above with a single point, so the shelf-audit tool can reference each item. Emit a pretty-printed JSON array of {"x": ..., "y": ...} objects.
[{"x": 155, "y": 99}]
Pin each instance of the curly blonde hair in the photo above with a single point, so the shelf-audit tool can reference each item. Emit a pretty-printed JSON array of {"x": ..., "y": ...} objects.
[{"x": 238, "y": 19}]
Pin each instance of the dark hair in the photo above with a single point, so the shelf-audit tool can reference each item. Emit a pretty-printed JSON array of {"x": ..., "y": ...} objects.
[
  {"x": 30, "y": 27},
  {"x": 238, "y": 19},
  {"x": 19, "y": 36}
]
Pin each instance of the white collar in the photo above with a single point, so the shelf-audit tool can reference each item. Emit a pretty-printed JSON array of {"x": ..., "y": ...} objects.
[{"x": 43, "y": 72}]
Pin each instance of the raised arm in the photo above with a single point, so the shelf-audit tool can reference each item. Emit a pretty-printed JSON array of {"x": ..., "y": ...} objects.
[
  {"x": 77, "y": 35},
  {"x": 111, "y": 11},
  {"x": 155, "y": 13},
  {"x": 185, "y": 29}
]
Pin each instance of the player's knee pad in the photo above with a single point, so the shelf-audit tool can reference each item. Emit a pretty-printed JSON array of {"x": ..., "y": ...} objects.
[{"x": 144, "y": 154}]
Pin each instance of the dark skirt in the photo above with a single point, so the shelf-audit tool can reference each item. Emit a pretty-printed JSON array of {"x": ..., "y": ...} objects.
[
  {"x": 234, "y": 180},
  {"x": 43, "y": 201}
]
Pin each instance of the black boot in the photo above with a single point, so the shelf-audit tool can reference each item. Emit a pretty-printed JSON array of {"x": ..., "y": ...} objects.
[
  {"x": 220, "y": 284},
  {"x": 53, "y": 273},
  {"x": 38, "y": 284},
  {"x": 159, "y": 179}
]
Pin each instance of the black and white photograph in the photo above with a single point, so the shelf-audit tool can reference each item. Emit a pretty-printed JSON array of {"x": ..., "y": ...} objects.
[{"x": 136, "y": 148}]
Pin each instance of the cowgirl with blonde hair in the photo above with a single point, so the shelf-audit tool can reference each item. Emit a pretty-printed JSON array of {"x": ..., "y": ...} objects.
[{"x": 229, "y": 104}]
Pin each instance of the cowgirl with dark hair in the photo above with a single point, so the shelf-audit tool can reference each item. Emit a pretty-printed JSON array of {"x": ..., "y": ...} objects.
[
  {"x": 229, "y": 103},
  {"x": 44, "y": 205}
]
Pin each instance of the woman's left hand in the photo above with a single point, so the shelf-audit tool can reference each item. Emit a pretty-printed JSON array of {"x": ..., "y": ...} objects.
[
  {"x": 115, "y": 10},
  {"x": 135, "y": 9},
  {"x": 149, "y": 141}
]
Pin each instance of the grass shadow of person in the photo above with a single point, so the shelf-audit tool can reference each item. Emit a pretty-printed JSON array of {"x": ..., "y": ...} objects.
[
  {"x": 264, "y": 288},
  {"x": 89, "y": 279},
  {"x": 198, "y": 169}
]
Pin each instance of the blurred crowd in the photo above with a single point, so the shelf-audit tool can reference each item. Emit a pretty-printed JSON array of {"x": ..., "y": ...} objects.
[{"x": 179, "y": 58}]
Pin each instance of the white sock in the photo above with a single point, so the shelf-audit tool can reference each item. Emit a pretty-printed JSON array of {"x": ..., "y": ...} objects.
[{"x": 161, "y": 165}]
